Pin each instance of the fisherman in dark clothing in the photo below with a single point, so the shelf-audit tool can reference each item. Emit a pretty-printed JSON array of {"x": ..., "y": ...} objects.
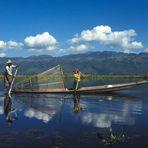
[{"x": 8, "y": 76}]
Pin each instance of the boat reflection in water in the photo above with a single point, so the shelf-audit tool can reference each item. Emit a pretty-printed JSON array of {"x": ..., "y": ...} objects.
[{"x": 9, "y": 110}]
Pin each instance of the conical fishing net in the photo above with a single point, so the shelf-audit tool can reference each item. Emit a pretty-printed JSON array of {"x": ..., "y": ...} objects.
[{"x": 50, "y": 79}]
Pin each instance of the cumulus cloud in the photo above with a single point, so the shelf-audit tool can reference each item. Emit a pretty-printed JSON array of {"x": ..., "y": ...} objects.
[
  {"x": 105, "y": 35},
  {"x": 81, "y": 47},
  {"x": 73, "y": 49},
  {"x": 146, "y": 50},
  {"x": 2, "y": 55},
  {"x": 10, "y": 45},
  {"x": 43, "y": 41},
  {"x": 79, "y": 43},
  {"x": 39, "y": 42},
  {"x": 13, "y": 44},
  {"x": 2, "y": 44}
]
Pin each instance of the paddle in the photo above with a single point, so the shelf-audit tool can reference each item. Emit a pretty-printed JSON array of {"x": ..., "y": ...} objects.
[
  {"x": 10, "y": 89},
  {"x": 77, "y": 85}
]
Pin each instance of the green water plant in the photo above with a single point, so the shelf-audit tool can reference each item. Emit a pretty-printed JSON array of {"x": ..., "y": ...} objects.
[{"x": 109, "y": 139}]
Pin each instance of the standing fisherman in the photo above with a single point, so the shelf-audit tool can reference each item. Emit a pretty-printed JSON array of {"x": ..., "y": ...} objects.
[
  {"x": 77, "y": 78},
  {"x": 8, "y": 76}
]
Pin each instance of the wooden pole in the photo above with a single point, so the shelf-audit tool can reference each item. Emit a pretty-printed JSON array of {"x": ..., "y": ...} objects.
[{"x": 10, "y": 89}]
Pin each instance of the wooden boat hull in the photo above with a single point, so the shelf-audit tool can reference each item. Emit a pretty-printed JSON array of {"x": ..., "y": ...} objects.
[{"x": 91, "y": 89}]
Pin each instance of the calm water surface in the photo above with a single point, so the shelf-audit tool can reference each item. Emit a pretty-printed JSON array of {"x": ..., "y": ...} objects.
[{"x": 82, "y": 121}]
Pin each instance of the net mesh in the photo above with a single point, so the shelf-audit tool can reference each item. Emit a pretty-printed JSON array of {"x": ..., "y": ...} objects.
[{"x": 50, "y": 79}]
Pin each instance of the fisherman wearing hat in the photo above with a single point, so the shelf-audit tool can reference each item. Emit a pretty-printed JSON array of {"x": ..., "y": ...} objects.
[{"x": 8, "y": 76}]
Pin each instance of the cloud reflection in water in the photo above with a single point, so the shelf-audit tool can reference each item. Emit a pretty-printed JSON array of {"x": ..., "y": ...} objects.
[
  {"x": 39, "y": 107},
  {"x": 123, "y": 114},
  {"x": 1, "y": 110},
  {"x": 33, "y": 113}
]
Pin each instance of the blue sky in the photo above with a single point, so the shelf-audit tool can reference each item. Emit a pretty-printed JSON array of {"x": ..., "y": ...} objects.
[{"x": 59, "y": 27}]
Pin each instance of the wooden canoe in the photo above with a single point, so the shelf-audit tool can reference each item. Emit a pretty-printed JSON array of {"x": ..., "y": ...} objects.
[{"x": 83, "y": 90}]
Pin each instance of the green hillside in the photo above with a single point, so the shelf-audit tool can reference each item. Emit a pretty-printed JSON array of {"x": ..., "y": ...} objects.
[{"x": 93, "y": 62}]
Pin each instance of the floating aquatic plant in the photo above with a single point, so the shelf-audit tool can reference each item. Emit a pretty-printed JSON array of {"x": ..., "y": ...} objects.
[{"x": 110, "y": 138}]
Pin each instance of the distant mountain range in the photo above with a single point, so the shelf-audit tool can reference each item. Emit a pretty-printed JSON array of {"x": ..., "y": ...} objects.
[{"x": 93, "y": 62}]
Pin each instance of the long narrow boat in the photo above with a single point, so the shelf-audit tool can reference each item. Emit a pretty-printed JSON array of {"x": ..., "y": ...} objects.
[
  {"x": 90, "y": 89},
  {"x": 52, "y": 81}
]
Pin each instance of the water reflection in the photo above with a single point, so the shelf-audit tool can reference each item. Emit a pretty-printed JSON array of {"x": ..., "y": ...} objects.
[
  {"x": 121, "y": 114},
  {"x": 81, "y": 118},
  {"x": 76, "y": 103},
  {"x": 111, "y": 111},
  {"x": 88, "y": 113},
  {"x": 43, "y": 108},
  {"x": 1, "y": 107},
  {"x": 97, "y": 111},
  {"x": 40, "y": 115},
  {"x": 9, "y": 110}
]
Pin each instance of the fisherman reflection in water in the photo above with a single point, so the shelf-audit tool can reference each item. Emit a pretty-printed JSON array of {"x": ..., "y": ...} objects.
[
  {"x": 10, "y": 112},
  {"x": 77, "y": 107}
]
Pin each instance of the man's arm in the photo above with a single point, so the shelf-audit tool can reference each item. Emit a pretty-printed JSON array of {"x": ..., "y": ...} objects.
[{"x": 14, "y": 66}]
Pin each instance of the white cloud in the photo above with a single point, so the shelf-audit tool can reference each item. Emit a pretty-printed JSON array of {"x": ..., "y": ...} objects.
[
  {"x": 80, "y": 43},
  {"x": 80, "y": 48},
  {"x": 14, "y": 45},
  {"x": 105, "y": 35},
  {"x": 10, "y": 45},
  {"x": 146, "y": 50},
  {"x": 37, "y": 43},
  {"x": 73, "y": 49},
  {"x": 2, "y": 44},
  {"x": 2, "y": 55},
  {"x": 43, "y": 41}
]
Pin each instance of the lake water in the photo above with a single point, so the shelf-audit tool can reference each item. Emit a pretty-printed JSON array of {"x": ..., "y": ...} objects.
[{"x": 113, "y": 120}]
